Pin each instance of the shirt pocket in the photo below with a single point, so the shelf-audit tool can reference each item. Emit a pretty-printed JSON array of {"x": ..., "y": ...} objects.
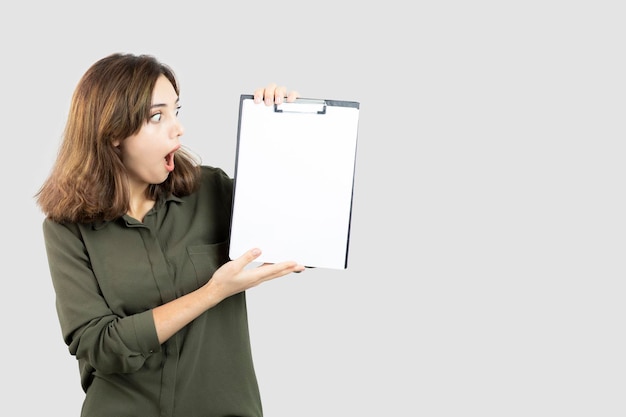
[{"x": 206, "y": 259}]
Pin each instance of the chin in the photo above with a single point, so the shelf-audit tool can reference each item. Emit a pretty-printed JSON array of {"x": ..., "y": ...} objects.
[{"x": 162, "y": 179}]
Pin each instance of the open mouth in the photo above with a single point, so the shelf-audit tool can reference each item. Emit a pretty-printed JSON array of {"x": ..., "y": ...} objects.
[{"x": 169, "y": 162}]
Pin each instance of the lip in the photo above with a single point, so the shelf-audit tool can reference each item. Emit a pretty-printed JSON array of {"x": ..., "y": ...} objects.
[{"x": 169, "y": 159}]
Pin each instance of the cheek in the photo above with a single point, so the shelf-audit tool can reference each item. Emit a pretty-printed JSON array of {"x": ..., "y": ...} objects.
[
  {"x": 144, "y": 158},
  {"x": 139, "y": 149}
]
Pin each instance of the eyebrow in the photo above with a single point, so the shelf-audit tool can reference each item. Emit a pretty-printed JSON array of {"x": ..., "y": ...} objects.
[{"x": 164, "y": 104}]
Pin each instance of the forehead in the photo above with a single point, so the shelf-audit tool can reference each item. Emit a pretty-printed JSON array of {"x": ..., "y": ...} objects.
[{"x": 163, "y": 91}]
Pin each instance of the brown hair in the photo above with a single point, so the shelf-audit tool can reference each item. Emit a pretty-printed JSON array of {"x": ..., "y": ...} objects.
[{"x": 88, "y": 181}]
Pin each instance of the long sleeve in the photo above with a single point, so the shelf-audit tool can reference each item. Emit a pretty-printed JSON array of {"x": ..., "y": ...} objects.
[{"x": 107, "y": 341}]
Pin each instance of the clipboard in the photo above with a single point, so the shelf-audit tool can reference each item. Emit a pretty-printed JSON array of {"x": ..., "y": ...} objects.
[{"x": 294, "y": 179}]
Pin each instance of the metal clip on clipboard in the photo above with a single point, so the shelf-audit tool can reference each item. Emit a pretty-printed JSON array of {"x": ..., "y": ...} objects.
[{"x": 302, "y": 105}]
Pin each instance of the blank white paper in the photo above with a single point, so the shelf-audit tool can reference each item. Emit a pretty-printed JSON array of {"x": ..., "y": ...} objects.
[{"x": 294, "y": 179}]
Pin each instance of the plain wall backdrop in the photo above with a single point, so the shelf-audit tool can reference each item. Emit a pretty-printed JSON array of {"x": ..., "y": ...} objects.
[{"x": 486, "y": 266}]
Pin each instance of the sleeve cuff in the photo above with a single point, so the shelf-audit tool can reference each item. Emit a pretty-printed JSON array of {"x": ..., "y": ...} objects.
[{"x": 145, "y": 333}]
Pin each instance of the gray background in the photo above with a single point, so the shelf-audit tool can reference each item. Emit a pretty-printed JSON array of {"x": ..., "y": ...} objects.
[{"x": 486, "y": 261}]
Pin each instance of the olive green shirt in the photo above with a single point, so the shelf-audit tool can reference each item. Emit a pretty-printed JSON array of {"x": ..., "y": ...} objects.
[{"x": 108, "y": 276}]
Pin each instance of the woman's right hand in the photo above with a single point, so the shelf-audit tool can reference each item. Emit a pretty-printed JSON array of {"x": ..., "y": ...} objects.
[{"x": 233, "y": 277}]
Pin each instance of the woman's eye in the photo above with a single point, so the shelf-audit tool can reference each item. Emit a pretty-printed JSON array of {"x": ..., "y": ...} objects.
[
  {"x": 156, "y": 117},
  {"x": 178, "y": 110}
]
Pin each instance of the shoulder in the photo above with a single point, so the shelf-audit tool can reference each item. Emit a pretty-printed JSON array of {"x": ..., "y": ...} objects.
[
  {"x": 213, "y": 183},
  {"x": 215, "y": 191},
  {"x": 213, "y": 176},
  {"x": 64, "y": 238},
  {"x": 52, "y": 227}
]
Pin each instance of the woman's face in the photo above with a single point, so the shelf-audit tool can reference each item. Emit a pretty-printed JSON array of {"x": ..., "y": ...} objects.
[{"x": 149, "y": 154}]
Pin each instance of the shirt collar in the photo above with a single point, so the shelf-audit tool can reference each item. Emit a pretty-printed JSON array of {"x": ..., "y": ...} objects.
[{"x": 101, "y": 224}]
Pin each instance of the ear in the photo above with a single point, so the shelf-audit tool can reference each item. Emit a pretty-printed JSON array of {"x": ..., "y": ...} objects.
[{"x": 116, "y": 142}]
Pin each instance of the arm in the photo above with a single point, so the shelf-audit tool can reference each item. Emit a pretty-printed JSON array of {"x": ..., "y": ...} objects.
[
  {"x": 93, "y": 332},
  {"x": 112, "y": 343},
  {"x": 228, "y": 280}
]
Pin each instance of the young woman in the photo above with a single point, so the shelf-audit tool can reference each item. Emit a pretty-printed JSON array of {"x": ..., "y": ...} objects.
[{"x": 136, "y": 233}]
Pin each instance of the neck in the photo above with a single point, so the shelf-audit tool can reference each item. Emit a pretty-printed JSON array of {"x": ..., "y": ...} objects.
[{"x": 139, "y": 209}]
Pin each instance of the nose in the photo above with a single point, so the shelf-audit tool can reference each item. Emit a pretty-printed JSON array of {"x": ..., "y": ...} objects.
[{"x": 178, "y": 129}]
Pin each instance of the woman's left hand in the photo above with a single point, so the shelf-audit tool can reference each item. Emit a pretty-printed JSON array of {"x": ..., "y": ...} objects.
[{"x": 274, "y": 94}]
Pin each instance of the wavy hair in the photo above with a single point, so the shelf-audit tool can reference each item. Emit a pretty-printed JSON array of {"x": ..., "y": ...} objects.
[{"x": 88, "y": 181}]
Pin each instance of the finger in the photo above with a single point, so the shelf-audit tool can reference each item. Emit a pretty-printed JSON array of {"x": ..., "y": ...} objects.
[
  {"x": 279, "y": 94},
  {"x": 265, "y": 93},
  {"x": 289, "y": 267},
  {"x": 292, "y": 96},
  {"x": 258, "y": 95},
  {"x": 268, "y": 95},
  {"x": 267, "y": 272},
  {"x": 247, "y": 257}
]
